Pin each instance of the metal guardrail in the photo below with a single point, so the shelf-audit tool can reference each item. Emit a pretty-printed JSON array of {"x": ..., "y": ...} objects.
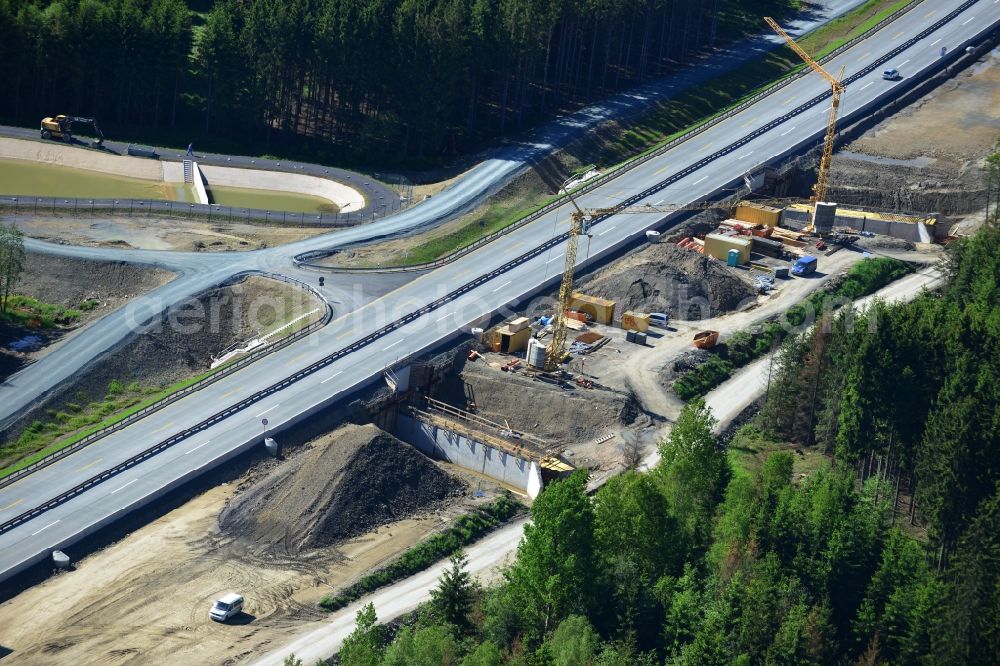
[
  {"x": 303, "y": 259},
  {"x": 182, "y": 209},
  {"x": 177, "y": 395},
  {"x": 434, "y": 305}
]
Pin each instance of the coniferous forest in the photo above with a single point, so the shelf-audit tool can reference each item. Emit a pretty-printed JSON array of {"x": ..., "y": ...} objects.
[
  {"x": 389, "y": 80},
  {"x": 888, "y": 553}
]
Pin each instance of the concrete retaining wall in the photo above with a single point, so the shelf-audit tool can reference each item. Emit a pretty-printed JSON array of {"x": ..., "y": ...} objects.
[
  {"x": 50, "y": 152},
  {"x": 347, "y": 198},
  {"x": 475, "y": 456},
  {"x": 199, "y": 184}
]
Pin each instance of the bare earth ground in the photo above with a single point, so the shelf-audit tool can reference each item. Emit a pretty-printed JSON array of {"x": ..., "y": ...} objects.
[
  {"x": 162, "y": 233},
  {"x": 58, "y": 280},
  {"x": 145, "y": 599},
  {"x": 929, "y": 156},
  {"x": 177, "y": 348}
]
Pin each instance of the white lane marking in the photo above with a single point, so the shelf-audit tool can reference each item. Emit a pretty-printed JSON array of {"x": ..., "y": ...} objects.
[
  {"x": 44, "y": 528},
  {"x": 123, "y": 487},
  {"x": 745, "y": 155},
  {"x": 197, "y": 447},
  {"x": 393, "y": 344},
  {"x": 939, "y": 38},
  {"x": 699, "y": 180},
  {"x": 339, "y": 372},
  {"x": 867, "y": 84},
  {"x": 904, "y": 62},
  {"x": 972, "y": 18},
  {"x": 605, "y": 231},
  {"x": 502, "y": 286},
  {"x": 446, "y": 316},
  {"x": 553, "y": 259},
  {"x": 268, "y": 410},
  {"x": 788, "y": 131},
  {"x": 657, "y": 203}
]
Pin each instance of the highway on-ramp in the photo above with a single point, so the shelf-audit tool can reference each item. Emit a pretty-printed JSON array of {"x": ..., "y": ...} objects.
[
  {"x": 311, "y": 374},
  {"x": 198, "y": 272}
]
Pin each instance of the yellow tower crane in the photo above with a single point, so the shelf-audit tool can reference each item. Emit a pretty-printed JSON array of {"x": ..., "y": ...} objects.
[
  {"x": 837, "y": 87},
  {"x": 579, "y": 224}
]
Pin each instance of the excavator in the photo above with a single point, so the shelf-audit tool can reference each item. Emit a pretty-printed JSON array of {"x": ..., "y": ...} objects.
[{"x": 61, "y": 127}]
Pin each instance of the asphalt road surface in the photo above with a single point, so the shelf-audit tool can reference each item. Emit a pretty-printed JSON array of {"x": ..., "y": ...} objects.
[
  {"x": 198, "y": 272},
  {"x": 726, "y": 401},
  {"x": 353, "y": 350}
]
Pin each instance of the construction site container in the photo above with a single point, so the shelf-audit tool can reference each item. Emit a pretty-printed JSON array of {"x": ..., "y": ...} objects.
[
  {"x": 718, "y": 246},
  {"x": 758, "y": 214},
  {"x": 601, "y": 310},
  {"x": 536, "y": 354},
  {"x": 640, "y": 338},
  {"x": 733, "y": 258},
  {"x": 635, "y": 321},
  {"x": 706, "y": 339},
  {"x": 766, "y": 246},
  {"x": 781, "y": 272},
  {"x": 630, "y": 336},
  {"x": 507, "y": 341},
  {"x": 824, "y": 217},
  {"x": 518, "y": 324}
]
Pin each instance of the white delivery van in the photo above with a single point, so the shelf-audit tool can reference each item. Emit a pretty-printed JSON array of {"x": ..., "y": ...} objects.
[{"x": 226, "y": 607}]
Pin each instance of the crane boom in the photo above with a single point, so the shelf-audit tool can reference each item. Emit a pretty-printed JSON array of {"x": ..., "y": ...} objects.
[{"x": 837, "y": 89}]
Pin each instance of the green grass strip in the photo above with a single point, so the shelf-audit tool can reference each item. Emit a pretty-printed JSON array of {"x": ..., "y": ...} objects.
[{"x": 466, "y": 529}]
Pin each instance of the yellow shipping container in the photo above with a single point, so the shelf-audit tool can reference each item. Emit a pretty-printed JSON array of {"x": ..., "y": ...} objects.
[
  {"x": 601, "y": 310},
  {"x": 635, "y": 321},
  {"x": 758, "y": 214},
  {"x": 507, "y": 341},
  {"x": 718, "y": 246}
]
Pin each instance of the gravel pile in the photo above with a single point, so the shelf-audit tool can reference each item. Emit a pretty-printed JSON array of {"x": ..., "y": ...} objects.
[
  {"x": 683, "y": 362},
  {"x": 353, "y": 482},
  {"x": 665, "y": 278}
]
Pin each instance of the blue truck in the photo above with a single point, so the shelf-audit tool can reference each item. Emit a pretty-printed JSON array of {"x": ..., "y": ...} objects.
[{"x": 804, "y": 266}]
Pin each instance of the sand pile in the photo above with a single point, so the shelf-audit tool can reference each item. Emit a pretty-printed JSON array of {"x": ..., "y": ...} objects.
[
  {"x": 353, "y": 482},
  {"x": 666, "y": 278}
]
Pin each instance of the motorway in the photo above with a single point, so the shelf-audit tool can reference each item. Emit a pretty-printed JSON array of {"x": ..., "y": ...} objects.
[
  {"x": 198, "y": 272},
  {"x": 433, "y": 308},
  {"x": 726, "y": 401}
]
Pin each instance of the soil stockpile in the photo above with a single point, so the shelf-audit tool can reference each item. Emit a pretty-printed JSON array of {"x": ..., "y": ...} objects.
[
  {"x": 358, "y": 480},
  {"x": 557, "y": 415},
  {"x": 665, "y": 278}
]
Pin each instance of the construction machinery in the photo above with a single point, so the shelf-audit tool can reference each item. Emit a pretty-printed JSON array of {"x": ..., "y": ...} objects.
[
  {"x": 837, "y": 88},
  {"x": 61, "y": 127},
  {"x": 580, "y": 220}
]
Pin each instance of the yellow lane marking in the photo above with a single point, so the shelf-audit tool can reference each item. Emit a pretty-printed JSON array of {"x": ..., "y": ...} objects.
[
  {"x": 163, "y": 427},
  {"x": 343, "y": 335},
  {"x": 11, "y": 505},
  {"x": 864, "y": 57},
  {"x": 661, "y": 170},
  {"x": 749, "y": 122},
  {"x": 297, "y": 358},
  {"x": 930, "y": 13},
  {"x": 88, "y": 466},
  {"x": 229, "y": 393}
]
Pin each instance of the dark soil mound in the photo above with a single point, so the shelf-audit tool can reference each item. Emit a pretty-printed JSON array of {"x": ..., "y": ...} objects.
[
  {"x": 666, "y": 278},
  {"x": 355, "y": 481}
]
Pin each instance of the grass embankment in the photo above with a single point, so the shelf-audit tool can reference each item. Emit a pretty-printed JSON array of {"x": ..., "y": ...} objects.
[
  {"x": 33, "y": 313},
  {"x": 465, "y": 530},
  {"x": 80, "y": 419},
  {"x": 665, "y": 122},
  {"x": 744, "y": 347}
]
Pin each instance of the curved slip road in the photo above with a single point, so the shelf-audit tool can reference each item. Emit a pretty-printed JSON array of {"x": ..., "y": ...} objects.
[
  {"x": 438, "y": 304},
  {"x": 197, "y": 272}
]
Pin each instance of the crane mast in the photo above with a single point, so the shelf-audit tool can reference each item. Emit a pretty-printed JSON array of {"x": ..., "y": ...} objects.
[{"x": 837, "y": 89}]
